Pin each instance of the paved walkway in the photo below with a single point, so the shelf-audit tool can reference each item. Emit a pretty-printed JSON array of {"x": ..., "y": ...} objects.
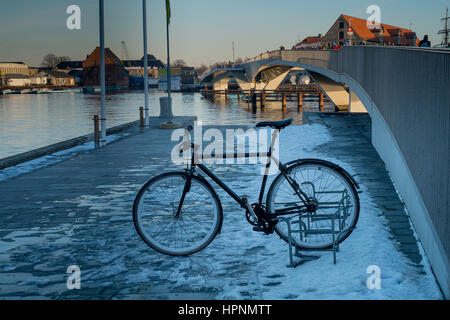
[
  {"x": 78, "y": 212},
  {"x": 354, "y": 147}
]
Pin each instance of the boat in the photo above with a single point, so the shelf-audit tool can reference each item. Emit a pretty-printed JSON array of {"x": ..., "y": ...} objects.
[
  {"x": 29, "y": 91},
  {"x": 60, "y": 90},
  {"x": 88, "y": 90},
  {"x": 9, "y": 91}
]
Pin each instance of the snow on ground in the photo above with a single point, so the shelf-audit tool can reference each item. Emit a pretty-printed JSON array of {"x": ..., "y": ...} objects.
[
  {"x": 239, "y": 263},
  {"x": 267, "y": 256},
  {"x": 50, "y": 159}
]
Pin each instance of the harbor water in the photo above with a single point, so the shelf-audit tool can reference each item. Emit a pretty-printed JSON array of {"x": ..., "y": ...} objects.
[{"x": 31, "y": 121}]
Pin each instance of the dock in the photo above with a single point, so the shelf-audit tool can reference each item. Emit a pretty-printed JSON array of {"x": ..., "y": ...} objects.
[{"x": 78, "y": 212}]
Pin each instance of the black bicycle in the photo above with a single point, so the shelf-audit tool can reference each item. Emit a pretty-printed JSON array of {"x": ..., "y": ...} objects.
[{"x": 179, "y": 213}]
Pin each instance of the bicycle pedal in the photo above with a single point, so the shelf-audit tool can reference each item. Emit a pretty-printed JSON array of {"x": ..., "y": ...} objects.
[{"x": 258, "y": 229}]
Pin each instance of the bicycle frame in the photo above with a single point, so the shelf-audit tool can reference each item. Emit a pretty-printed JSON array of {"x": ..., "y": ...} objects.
[{"x": 281, "y": 167}]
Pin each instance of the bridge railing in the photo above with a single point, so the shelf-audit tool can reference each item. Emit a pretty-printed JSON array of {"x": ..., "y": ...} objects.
[{"x": 219, "y": 65}]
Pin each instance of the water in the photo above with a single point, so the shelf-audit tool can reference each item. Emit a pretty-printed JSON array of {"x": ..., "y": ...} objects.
[{"x": 30, "y": 121}]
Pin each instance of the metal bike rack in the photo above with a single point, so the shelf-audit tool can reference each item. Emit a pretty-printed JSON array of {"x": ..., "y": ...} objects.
[{"x": 304, "y": 229}]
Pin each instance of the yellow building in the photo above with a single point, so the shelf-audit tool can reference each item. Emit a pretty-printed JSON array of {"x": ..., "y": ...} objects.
[{"x": 13, "y": 68}]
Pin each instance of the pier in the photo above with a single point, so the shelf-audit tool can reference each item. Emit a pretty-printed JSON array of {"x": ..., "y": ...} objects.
[
  {"x": 261, "y": 97},
  {"x": 78, "y": 211}
]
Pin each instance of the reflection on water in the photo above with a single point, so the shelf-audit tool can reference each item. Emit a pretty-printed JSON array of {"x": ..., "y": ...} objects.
[{"x": 30, "y": 121}]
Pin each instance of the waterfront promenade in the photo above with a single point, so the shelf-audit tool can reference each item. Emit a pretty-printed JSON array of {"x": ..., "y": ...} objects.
[{"x": 78, "y": 212}]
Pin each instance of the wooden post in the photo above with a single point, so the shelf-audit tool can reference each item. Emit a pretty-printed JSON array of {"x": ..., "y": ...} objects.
[
  {"x": 300, "y": 100},
  {"x": 141, "y": 118},
  {"x": 321, "y": 101},
  {"x": 226, "y": 94},
  {"x": 284, "y": 100},
  {"x": 96, "y": 132},
  {"x": 263, "y": 98},
  {"x": 253, "y": 100},
  {"x": 239, "y": 95}
]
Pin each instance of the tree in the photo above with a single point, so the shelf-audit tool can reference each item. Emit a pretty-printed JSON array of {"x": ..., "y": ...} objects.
[
  {"x": 50, "y": 60},
  {"x": 200, "y": 70},
  {"x": 179, "y": 63}
]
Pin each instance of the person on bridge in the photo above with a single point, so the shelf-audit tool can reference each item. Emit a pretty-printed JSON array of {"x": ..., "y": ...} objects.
[{"x": 425, "y": 42}]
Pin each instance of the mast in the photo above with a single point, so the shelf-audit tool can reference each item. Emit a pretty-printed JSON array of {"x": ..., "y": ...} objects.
[{"x": 446, "y": 30}]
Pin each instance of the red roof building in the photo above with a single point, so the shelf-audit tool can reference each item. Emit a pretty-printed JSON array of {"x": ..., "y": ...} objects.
[
  {"x": 363, "y": 35},
  {"x": 309, "y": 43},
  {"x": 115, "y": 73}
]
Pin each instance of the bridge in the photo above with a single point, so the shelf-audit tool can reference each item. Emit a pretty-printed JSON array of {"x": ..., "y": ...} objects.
[{"x": 406, "y": 93}]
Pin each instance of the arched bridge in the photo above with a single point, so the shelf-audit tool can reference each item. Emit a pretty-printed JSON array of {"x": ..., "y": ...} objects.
[{"x": 406, "y": 92}]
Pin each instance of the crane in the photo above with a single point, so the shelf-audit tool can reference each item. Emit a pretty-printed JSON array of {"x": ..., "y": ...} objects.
[{"x": 125, "y": 55}]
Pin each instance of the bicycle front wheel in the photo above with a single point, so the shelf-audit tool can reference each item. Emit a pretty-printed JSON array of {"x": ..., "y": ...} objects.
[
  {"x": 155, "y": 214},
  {"x": 336, "y": 199}
]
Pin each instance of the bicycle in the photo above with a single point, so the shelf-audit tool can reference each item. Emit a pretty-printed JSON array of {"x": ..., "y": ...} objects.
[{"x": 179, "y": 213}]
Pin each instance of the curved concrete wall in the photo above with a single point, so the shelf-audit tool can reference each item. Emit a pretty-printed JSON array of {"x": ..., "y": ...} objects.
[{"x": 407, "y": 94}]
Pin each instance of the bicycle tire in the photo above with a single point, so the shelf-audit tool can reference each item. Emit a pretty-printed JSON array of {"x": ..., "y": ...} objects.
[
  {"x": 160, "y": 205},
  {"x": 348, "y": 183}
]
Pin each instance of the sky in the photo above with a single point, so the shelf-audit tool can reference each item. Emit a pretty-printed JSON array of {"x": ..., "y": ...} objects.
[{"x": 201, "y": 31}]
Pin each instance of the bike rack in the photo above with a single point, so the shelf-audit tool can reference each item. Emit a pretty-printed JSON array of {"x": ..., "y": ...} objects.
[{"x": 304, "y": 229}]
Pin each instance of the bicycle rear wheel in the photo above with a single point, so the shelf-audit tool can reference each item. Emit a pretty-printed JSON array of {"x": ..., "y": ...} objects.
[
  {"x": 337, "y": 205},
  {"x": 156, "y": 206}
]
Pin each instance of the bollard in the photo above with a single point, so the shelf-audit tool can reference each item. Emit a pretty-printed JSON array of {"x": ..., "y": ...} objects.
[
  {"x": 141, "y": 119},
  {"x": 321, "y": 101},
  {"x": 96, "y": 132},
  {"x": 253, "y": 100},
  {"x": 300, "y": 100},
  {"x": 284, "y": 100}
]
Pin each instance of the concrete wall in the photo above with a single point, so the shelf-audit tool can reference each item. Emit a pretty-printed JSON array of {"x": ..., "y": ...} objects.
[
  {"x": 406, "y": 92},
  {"x": 410, "y": 89}
]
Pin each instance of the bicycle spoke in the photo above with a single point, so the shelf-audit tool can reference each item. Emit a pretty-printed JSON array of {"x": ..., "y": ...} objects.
[
  {"x": 328, "y": 188},
  {"x": 159, "y": 225}
]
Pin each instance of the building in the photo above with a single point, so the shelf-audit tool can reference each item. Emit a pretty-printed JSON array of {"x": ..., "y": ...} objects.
[
  {"x": 13, "y": 68},
  {"x": 362, "y": 35},
  {"x": 175, "y": 82},
  {"x": 17, "y": 80},
  {"x": 32, "y": 71},
  {"x": 136, "y": 67},
  {"x": 53, "y": 78},
  {"x": 308, "y": 43},
  {"x": 69, "y": 65},
  {"x": 188, "y": 77},
  {"x": 73, "y": 68},
  {"x": 115, "y": 73}
]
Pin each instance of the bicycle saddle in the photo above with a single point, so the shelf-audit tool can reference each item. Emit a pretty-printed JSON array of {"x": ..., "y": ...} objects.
[{"x": 275, "y": 124}]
